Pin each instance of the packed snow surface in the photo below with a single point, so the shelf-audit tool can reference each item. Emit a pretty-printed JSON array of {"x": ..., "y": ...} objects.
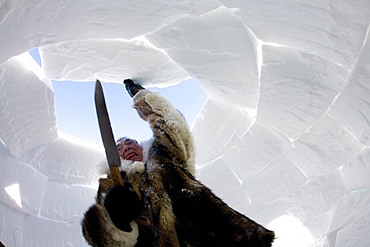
[{"x": 284, "y": 136}]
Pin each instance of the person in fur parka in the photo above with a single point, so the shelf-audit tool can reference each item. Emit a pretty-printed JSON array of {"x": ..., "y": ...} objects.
[{"x": 162, "y": 203}]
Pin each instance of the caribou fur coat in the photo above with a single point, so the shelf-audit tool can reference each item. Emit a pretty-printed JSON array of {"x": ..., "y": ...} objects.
[{"x": 181, "y": 211}]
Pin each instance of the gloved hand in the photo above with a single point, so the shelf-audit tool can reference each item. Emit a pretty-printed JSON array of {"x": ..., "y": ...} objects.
[
  {"x": 131, "y": 87},
  {"x": 123, "y": 205}
]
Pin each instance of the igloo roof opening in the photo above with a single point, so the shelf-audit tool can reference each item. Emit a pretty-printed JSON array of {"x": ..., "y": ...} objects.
[{"x": 284, "y": 130}]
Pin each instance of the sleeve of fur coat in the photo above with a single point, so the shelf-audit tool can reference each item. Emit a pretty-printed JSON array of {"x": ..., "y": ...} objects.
[
  {"x": 99, "y": 230},
  {"x": 168, "y": 125},
  {"x": 97, "y": 227}
]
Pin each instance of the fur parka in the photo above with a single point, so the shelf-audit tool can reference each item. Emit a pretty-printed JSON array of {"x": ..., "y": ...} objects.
[{"x": 180, "y": 209}]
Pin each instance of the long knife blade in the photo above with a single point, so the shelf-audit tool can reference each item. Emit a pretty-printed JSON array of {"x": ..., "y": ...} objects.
[{"x": 107, "y": 134}]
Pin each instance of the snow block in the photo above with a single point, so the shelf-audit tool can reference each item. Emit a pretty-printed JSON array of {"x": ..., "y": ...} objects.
[
  {"x": 86, "y": 20},
  {"x": 11, "y": 225},
  {"x": 258, "y": 147},
  {"x": 350, "y": 220},
  {"x": 216, "y": 129},
  {"x": 218, "y": 176},
  {"x": 111, "y": 61},
  {"x": 68, "y": 203},
  {"x": 324, "y": 148},
  {"x": 239, "y": 201},
  {"x": 334, "y": 29},
  {"x": 71, "y": 163},
  {"x": 316, "y": 197},
  {"x": 352, "y": 106},
  {"x": 23, "y": 183},
  {"x": 296, "y": 89},
  {"x": 356, "y": 171},
  {"x": 51, "y": 233},
  {"x": 233, "y": 51},
  {"x": 27, "y": 114},
  {"x": 274, "y": 182}
]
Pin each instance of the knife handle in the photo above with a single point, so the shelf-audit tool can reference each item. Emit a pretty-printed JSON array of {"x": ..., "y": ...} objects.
[{"x": 116, "y": 175}]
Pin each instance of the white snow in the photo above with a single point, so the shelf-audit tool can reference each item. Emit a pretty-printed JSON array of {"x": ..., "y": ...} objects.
[
  {"x": 293, "y": 231},
  {"x": 285, "y": 130},
  {"x": 297, "y": 87},
  {"x": 111, "y": 60}
]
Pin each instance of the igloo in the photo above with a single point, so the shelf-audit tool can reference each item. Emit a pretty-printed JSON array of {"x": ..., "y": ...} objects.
[{"x": 284, "y": 132}]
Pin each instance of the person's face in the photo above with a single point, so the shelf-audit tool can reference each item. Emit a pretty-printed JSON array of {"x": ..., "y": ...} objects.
[{"x": 130, "y": 150}]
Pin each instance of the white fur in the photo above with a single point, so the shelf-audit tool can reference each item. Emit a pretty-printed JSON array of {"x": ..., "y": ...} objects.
[
  {"x": 122, "y": 238},
  {"x": 146, "y": 145},
  {"x": 131, "y": 167},
  {"x": 128, "y": 238},
  {"x": 176, "y": 122}
]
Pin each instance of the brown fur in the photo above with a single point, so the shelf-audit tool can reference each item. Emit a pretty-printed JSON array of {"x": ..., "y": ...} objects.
[{"x": 181, "y": 210}]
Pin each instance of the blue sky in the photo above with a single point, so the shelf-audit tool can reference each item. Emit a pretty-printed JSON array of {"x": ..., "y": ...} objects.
[{"x": 76, "y": 115}]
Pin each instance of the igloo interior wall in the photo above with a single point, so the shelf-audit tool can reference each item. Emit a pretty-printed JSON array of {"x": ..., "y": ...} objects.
[{"x": 285, "y": 130}]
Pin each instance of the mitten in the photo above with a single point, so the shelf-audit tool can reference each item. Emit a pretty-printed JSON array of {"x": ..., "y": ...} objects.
[
  {"x": 123, "y": 205},
  {"x": 131, "y": 87}
]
